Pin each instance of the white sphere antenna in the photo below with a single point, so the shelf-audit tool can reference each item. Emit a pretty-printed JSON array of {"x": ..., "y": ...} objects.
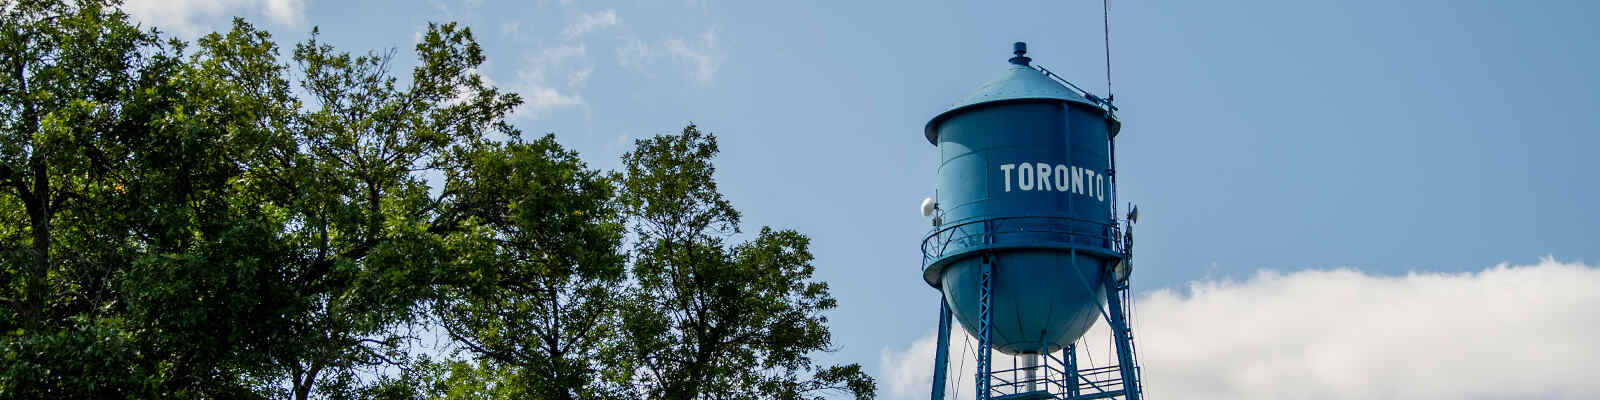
[{"x": 928, "y": 206}]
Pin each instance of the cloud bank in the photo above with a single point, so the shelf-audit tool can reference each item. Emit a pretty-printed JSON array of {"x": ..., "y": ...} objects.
[{"x": 1502, "y": 332}]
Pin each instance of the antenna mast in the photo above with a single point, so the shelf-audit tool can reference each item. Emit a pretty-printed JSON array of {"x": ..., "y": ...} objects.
[{"x": 1105, "y": 13}]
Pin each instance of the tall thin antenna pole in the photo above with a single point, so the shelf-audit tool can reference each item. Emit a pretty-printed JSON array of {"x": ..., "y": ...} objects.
[
  {"x": 1105, "y": 14},
  {"x": 1105, "y": 9}
]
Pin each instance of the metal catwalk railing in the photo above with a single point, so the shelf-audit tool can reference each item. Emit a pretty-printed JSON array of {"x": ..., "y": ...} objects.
[
  {"x": 1003, "y": 231},
  {"x": 1054, "y": 379}
]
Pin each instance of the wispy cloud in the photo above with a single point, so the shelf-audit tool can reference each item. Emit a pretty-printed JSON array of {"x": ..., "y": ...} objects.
[
  {"x": 191, "y": 18},
  {"x": 551, "y": 78},
  {"x": 701, "y": 57},
  {"x": 635, "y": 55},
  {"x": 1502, "y": 332},
  {"x": 590, "y": 22}
]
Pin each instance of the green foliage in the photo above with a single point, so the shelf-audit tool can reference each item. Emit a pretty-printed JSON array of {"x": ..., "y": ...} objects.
[
  {"x": 363, "y": 228},
  {"x": 189, "y": 213},
  {"x": 177, "y": 220},
  {"x": 78, "y": 86},
  {"x": 711, "y": 320},
  {"x": 543, "y": 272}
]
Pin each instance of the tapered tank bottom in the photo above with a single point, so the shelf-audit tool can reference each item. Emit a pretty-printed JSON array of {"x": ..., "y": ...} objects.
[{"x": 1039, "y": 303}]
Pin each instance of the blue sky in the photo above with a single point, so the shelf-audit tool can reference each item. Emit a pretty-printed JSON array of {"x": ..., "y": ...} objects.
[{"x": 1392, "y": 138}]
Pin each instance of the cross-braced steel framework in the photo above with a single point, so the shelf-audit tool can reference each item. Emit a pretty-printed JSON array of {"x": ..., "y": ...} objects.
[{"x": 1060, "y": 376}]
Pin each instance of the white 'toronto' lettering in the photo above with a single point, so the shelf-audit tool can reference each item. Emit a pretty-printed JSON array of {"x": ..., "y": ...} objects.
[
  {"x": 1044, "y": 176},
  {"x": 1088, "y": 178},
  {"x": 1077, "y": 180},
  {"x": 1063, "y": 182},
  {"x": 1100, "y": 182},
  {"x": 1007, "y": 169},
  {"x": 1025, "y": 177}
]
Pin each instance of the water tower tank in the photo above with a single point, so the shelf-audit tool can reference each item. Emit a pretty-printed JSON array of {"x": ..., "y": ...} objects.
[{"x": 1024, "y": 185}]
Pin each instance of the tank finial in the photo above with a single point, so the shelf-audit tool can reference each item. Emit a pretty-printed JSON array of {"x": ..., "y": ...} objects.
[{"x": 1020, "y": 49}]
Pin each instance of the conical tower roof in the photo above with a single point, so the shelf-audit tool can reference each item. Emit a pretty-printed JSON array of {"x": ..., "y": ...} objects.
[{"x": 1020, "y": 83}]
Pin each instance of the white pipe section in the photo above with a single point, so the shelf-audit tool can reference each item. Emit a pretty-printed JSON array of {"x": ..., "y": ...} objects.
[{"x": 1030, "y": 365}]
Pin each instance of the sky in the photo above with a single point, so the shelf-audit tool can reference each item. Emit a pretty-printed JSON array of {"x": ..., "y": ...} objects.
[{"x": 1369, "y": 199}]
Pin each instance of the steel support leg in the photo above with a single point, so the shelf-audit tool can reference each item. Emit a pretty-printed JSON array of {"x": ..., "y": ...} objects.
[
  {"x": 941, "y": 354},
  {"x": 985, "y": 325},
  {"x": 1070, "y": 356},
  {"x": 1124, "y": 340}
]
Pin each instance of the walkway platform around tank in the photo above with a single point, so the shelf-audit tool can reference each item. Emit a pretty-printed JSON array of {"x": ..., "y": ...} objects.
[
  {"x": 1038, "y": 395},
  {"x": 1043, "y": 395},
  {"x": 1056, "y": 378}
]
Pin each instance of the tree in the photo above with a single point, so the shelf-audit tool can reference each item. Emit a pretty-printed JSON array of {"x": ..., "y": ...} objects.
[
  {"x": 176, "y": 220},
  {"x": 314, "y": 237},
  {"x": 182, "y": 226},
  {"x": 541, "y": 240},
  {"x": 69, "y": 75},
  {"x": 709, "y": 319},
  {"x": 79, "y": 84},
  {"x": 361, "y": 230}
]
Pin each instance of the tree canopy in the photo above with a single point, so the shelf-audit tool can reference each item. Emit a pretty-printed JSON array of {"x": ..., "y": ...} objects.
[{"x": 226, "y": 219}]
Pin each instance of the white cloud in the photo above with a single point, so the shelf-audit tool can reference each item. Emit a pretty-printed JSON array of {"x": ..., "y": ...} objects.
[
  {"x": 1502, "y": 332},
  {"x": 635, "y": 55},
  {"x": 590, "y": 22},
  {"x": 702, "y": 55},
  {"x": 907, "y": 374},
  {"x": 550, "y": 79},
  {"x": 191, "y": 18},
  {"x": 578, "y": 78},
  {"x": 541, "y": 98}
]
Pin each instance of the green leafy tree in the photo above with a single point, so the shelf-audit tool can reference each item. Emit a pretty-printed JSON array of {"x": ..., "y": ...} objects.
[
  {"x": 541, "y": 241},
  {"x": 79, "y": 85},
  {"x": 182, "y": 226},
  {"x": 710, "y": 319},
  {"x": 70, "y": 74},
  {"x": 203, "y": 287},
  {"x": 178, "y": 220},
  {"x": 361, "y": 228}
]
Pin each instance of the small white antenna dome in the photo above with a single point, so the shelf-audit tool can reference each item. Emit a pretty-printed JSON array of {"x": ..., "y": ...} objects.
[{"x": 928, "y": 206}]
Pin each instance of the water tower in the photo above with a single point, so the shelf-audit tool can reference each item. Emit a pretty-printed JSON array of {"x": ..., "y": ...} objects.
[{"x": 1027, "y": 249}]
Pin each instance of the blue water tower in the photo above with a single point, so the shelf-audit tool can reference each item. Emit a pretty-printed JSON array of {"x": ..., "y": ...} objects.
[{"x": 1027, "y": 250}]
